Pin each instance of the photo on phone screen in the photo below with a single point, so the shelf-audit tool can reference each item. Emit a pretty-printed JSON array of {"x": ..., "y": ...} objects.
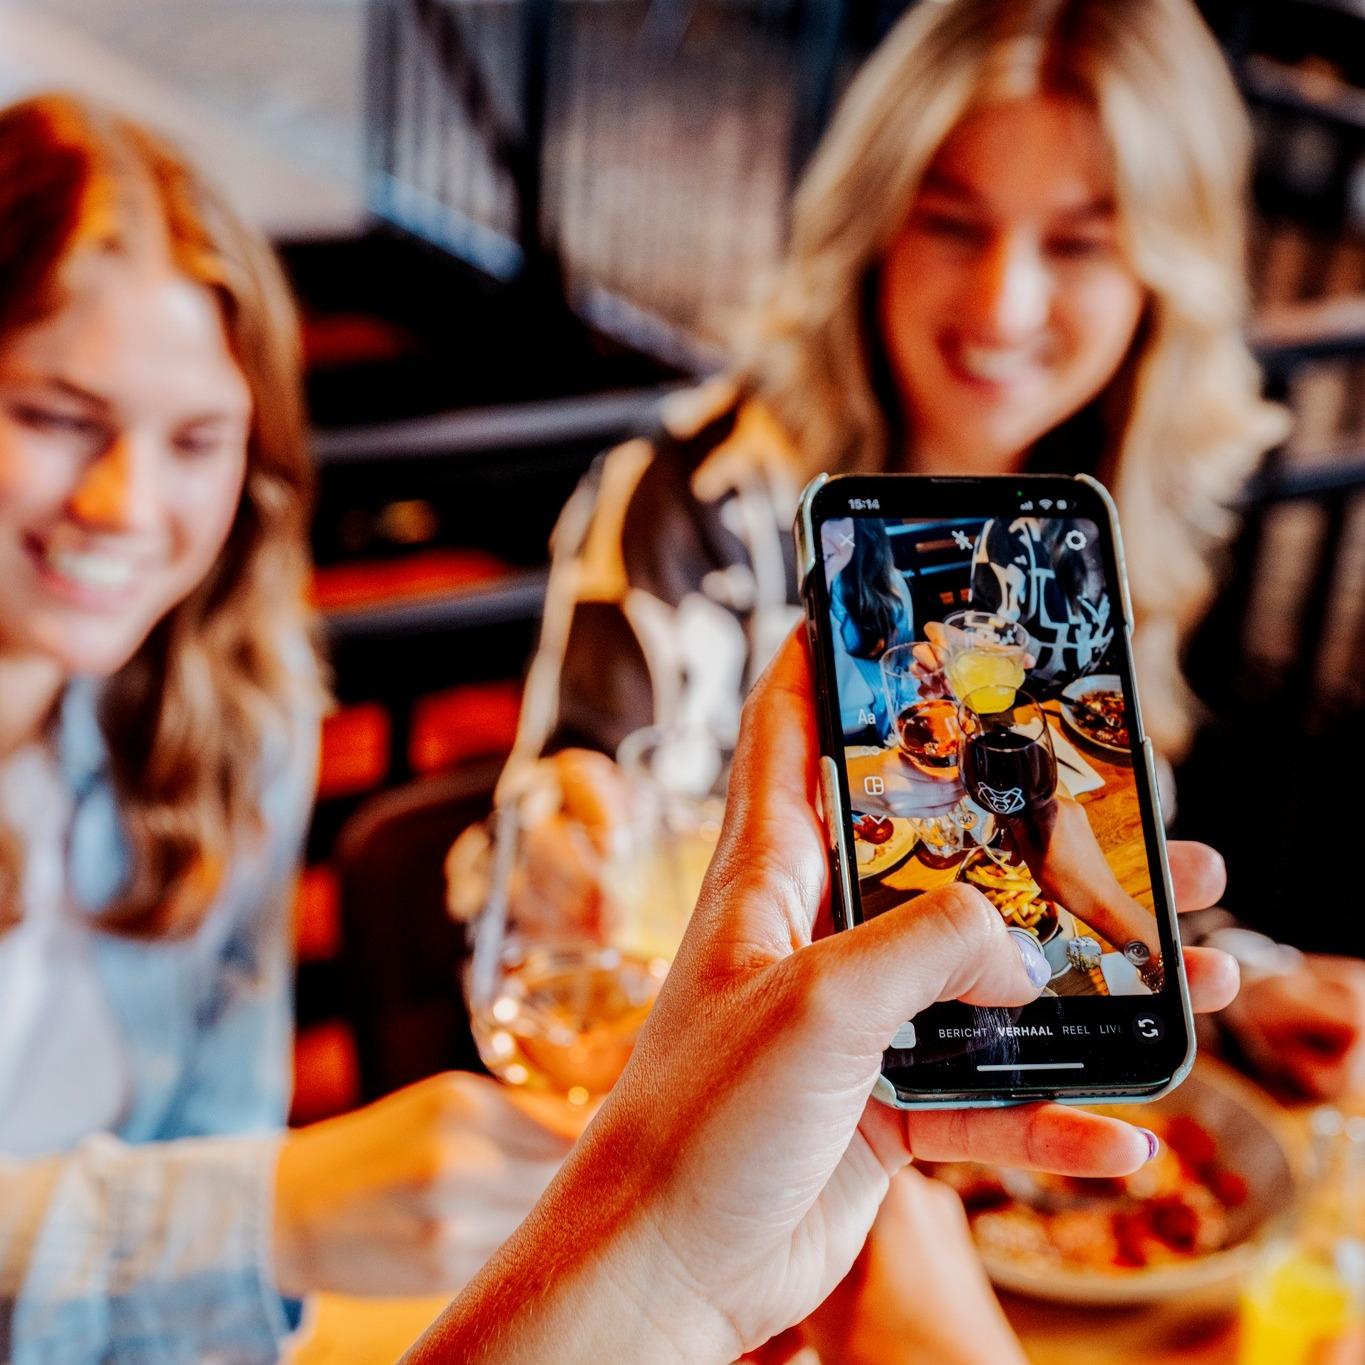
[{"x": 978, "y": 665}]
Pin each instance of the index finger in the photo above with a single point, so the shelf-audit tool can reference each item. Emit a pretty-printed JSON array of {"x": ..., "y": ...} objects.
[
  {"x": 1038, "y": 1137},
  {"x": 1198, "y": 874}
]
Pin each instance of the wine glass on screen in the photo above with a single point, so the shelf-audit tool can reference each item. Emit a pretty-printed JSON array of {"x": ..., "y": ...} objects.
[
  {"x": 927, "y": 733},
  {"x": 980, "y": 650},
  {"x": 925, "y": 725},
  {"x": 1008, "y": 765}
]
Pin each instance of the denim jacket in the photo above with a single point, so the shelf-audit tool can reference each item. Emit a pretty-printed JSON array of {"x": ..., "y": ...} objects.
[{"x": 152, "y": 1243}]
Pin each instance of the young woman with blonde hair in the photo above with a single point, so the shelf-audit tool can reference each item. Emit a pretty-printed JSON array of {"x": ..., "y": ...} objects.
[
  {"x": 1020, "y": 246},
  {"x": 159, "y": 700}
]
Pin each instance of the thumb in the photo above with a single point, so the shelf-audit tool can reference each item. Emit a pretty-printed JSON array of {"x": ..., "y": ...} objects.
[
  {"x": 770, "y": 869},
  {"x": 948, "y": 944}
]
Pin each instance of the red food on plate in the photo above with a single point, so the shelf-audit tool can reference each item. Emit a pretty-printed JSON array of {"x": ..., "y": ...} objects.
[
  {"x": 1174, "y": 1209},
  {"x": 872, "y": 830}
]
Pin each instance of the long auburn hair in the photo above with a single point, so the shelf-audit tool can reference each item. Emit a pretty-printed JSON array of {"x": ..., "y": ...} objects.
[
  {"x": 188, "y": 718},
  {"x": 1182, "y": 423}
]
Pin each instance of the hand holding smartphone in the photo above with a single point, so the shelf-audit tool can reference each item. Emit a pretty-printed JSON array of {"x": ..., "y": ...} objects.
[{"x": 979, "y": 722}]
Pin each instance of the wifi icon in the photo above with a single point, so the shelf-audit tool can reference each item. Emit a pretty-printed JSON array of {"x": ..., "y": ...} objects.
[{"x": 1044, "y": 503}]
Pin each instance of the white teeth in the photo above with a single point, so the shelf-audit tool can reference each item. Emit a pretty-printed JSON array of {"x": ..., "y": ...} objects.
[
  {"x": 92, "y": 570},
  {"x": 992, "y": 363}
]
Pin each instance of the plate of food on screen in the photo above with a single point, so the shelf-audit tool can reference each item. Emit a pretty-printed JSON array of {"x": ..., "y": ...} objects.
[
  {"x": 1186, "y": 1224},
  {"x": 881, "y": 843},
  {"x": 1009, "y": 886},
  {"x": 1094, "y": 709}
]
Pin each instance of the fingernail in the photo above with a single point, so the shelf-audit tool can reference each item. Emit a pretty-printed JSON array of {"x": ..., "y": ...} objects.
[
  {"x": 1035, "y": 964},
  {"x": 1153, "y": 1142}
]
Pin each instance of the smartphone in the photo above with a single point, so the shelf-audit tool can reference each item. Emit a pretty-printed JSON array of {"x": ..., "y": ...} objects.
[{"x": 979, "y": 723}]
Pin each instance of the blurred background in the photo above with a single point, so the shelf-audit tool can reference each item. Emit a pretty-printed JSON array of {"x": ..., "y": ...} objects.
[{"x": 514, "y": 226}]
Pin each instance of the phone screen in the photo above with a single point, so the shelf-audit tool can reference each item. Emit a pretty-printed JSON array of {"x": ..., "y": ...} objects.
[{"x": 978, "y": 676}]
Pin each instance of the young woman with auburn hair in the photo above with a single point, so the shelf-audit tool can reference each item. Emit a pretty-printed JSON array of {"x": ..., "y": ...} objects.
[{"x": 159, "y": 700}]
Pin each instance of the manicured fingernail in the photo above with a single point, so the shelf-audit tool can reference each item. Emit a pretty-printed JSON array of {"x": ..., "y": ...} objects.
[
  {"x": 1035, "y": 964},
  {"x": 1153, "y": 1142}
]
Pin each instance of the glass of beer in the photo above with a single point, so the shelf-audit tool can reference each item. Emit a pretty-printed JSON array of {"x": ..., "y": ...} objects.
[
  {"x": 923, "y": 719},
  {"x": 579, "y": 924},
  {"x": 1008, "y": 765}
]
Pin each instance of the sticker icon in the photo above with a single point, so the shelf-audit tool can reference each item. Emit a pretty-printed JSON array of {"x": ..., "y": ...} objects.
[
  {"x": 874, "y": 785},
  {"x": 1007, "y": 802}
]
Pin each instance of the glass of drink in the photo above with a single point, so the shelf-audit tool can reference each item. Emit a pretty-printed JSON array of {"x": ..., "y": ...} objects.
[
  {"x": 1008, "y": 766},
  {"x": 678, "y": 779},
  {"x": 981, "y": 650},
  {"x": 578, "y": 925},
  {"x": 925, "y": 725},
  {"x": 562, "y": 974}
]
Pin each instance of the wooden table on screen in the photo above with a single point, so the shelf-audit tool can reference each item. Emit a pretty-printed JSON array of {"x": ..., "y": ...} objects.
[{"x": 1113, "y": 813}]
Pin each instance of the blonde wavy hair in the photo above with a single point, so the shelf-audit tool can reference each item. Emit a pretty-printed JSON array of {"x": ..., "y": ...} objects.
[
  {"x": 188, "y": 717},
  {"x": 1182, "y": 420}
]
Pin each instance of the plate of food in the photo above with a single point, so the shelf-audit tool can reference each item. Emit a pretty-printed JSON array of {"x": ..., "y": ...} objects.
[
  {"x": 1094, "y": 709},
  {"x": 881, "y": 843},
  {"x": 1188, "y": 1224}
]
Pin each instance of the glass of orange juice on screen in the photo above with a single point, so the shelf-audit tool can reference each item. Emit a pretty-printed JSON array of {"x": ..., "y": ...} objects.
[{"x": 983, "y": 652}]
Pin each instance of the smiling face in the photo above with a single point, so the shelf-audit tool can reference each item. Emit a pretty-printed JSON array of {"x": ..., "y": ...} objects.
[
  {"x": 123, "y": 434},
  {"x": 1007, "y": 303}
]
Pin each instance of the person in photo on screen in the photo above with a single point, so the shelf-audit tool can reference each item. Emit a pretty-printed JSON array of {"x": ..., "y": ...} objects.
[{"x": 871, "y": 611}]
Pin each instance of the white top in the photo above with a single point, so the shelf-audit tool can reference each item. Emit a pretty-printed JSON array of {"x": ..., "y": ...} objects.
[{"x": 63, "y": 1069}]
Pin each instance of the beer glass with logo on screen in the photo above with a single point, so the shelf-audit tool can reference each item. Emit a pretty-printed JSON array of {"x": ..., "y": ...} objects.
[{"x": 1008, "y": 766}]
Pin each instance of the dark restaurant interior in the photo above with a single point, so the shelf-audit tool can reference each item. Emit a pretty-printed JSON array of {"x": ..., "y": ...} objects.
[{"x": 515, "y": 229}]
